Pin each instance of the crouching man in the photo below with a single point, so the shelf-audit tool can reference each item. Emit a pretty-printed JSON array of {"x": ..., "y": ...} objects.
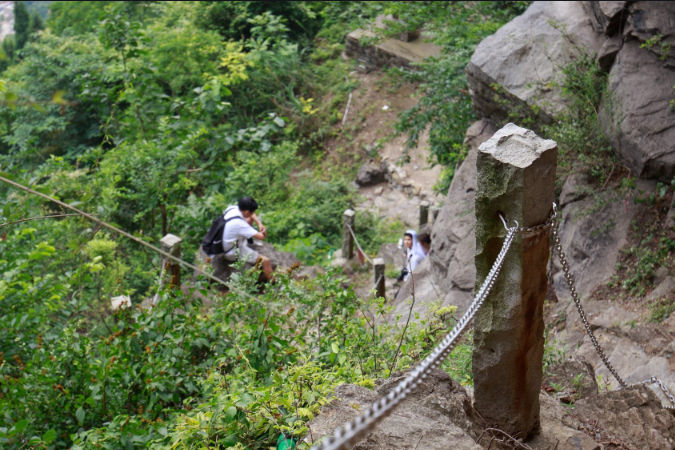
[{"x": 237, "y": 233}]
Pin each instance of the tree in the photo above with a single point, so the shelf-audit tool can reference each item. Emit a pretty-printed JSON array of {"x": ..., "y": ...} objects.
[
  {"x": 21, "y": 24},
  {"x": 233, "y": 20},
  {"x": 35, "y": 24},
  {"x": 7, "y": 52}
]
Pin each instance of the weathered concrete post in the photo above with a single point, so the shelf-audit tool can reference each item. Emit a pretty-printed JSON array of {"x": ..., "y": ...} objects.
[
  {"x": 171, "y": 244},
  {"x": 378, "y": 268},
  {"x": 424, "y": 213},
  {"x": 516, "y": 177},
  {"x": 347, "y": 239}
]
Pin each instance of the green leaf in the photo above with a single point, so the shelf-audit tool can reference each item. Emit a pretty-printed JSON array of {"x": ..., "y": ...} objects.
[
  {"x": 58, "y": 97},
  {"x": 231, "y": 412},
  {"x": 20, "y": 426},
  {"x": 335, "y": 347},
  {"x": 79, "y": 414},
  {"x": 230, "y": 440},
  {"x": 49, "y": 436}
]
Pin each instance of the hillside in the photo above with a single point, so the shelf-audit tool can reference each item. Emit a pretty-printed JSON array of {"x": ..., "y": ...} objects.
[{"x": 127, "y": 122}]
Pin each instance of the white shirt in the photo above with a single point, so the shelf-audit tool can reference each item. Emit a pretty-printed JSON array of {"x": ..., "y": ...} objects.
[{"x": 236, "y": 231}]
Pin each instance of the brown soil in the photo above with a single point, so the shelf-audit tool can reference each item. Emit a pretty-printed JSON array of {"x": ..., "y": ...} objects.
[{"x": 368, "y": 134}]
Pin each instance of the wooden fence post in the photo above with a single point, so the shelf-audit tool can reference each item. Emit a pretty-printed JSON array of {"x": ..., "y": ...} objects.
[
  {"x": 347, "y": 239},
  {"x": 171, "y": 244},
  {"x": 378, "y": 270},
  {"x": 516, "y": 177}
]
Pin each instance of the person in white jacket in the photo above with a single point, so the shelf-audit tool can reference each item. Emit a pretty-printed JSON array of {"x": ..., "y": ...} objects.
[
  {"x": 236, "y": 236},
  {"x": 414, "y": 253}
]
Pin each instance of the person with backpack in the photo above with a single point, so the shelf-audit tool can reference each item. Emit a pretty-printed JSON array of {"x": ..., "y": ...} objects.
[{"x": 228, "y": 239}]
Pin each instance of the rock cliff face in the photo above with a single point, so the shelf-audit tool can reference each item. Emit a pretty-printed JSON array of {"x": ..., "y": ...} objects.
[
  {"x": 519, "y": 65},
  {"x": 594, "y": 226},
  {"x": 519, "y": 68}
]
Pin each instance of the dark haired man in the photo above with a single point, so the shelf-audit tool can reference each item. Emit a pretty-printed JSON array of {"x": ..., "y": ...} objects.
[
  {"x": 236, "y": 235},
  {"x": 425, "y": 241}
]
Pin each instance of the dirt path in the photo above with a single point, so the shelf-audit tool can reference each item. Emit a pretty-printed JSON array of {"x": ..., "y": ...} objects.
[{"x": 368, "y": 135}]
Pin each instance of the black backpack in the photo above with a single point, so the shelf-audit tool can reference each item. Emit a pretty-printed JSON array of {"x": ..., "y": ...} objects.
[{"x": 213, "y": 240}]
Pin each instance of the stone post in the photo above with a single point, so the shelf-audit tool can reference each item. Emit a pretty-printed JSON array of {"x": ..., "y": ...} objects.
[
  {"x": 347, "y": 238},
  {"x": 516, "y": 177},
  {"x": 378, "y": 267},
  {"x": 171, "y": 244},
  {"x": 424, "y": 214}
]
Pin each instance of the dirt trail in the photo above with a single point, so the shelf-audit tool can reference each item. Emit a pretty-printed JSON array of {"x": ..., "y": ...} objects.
[{"x": 368, "y": 134}]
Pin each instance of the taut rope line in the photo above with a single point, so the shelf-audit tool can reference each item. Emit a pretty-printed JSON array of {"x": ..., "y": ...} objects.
[
  {"x": 113, "y": 228},
  {"x": 356, "y": 241}
]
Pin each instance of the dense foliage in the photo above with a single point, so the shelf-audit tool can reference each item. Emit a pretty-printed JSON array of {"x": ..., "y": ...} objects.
[{"x": 154, "y": 116}]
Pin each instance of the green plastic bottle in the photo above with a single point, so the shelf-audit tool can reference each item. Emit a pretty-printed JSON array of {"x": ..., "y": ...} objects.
[{"x": 284, "y": 443}]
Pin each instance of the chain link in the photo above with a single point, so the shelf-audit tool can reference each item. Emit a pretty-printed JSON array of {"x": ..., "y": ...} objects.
[
  {"x": 662, "y": 386},
  {"x": 569, "y": 278},
  {"x": 351, "y": 432}
]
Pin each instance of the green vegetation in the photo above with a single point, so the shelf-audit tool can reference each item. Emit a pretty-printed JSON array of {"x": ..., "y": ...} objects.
[
  {"x": 650, "y": 252},
  {"x": 583, "y": 146},
  {"x": 154, "y": 116},
  {"x": 26, "y": 26}
]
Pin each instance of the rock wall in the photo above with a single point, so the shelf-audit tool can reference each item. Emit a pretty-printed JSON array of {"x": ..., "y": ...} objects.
[
  {"x": 519, "y": 65},
  {"x": 518, "y": 69}
]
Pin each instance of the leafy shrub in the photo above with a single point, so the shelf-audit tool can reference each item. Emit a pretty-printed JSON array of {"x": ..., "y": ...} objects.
[
  {"x": 100, "y": 113},
  {"x": 582, "y": 144},
  {"x": 238, "y": 20}
]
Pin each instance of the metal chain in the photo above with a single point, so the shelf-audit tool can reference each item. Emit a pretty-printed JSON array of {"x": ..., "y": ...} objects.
[
  {"x": 552, "y": 223},
  {"x": 351, "y": 432},
  {"x": 660, "y": 384},
  {"x": 573, "y": 290}
]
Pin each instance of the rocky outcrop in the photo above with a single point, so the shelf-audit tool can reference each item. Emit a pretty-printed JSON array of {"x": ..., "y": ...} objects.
[
  {"x": 637, "y": 351},
  {"x": 517, "y": 71},
  {"x": 439, "y": 415},
  {"x": 371, "y": 174},
  {"x": 436, "y": 414},
  {"x": 638, "y": 114},
  {"x": 607, "y": 17},
  {"x": 638, "y": 117},
  {"x": 652, "y": 24},
  {"x": 453, "y": 238},
  {"x": 629, "y": 418},
  {"x": 518, "y": 67},
  {"x": 593, "y": 229}
]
